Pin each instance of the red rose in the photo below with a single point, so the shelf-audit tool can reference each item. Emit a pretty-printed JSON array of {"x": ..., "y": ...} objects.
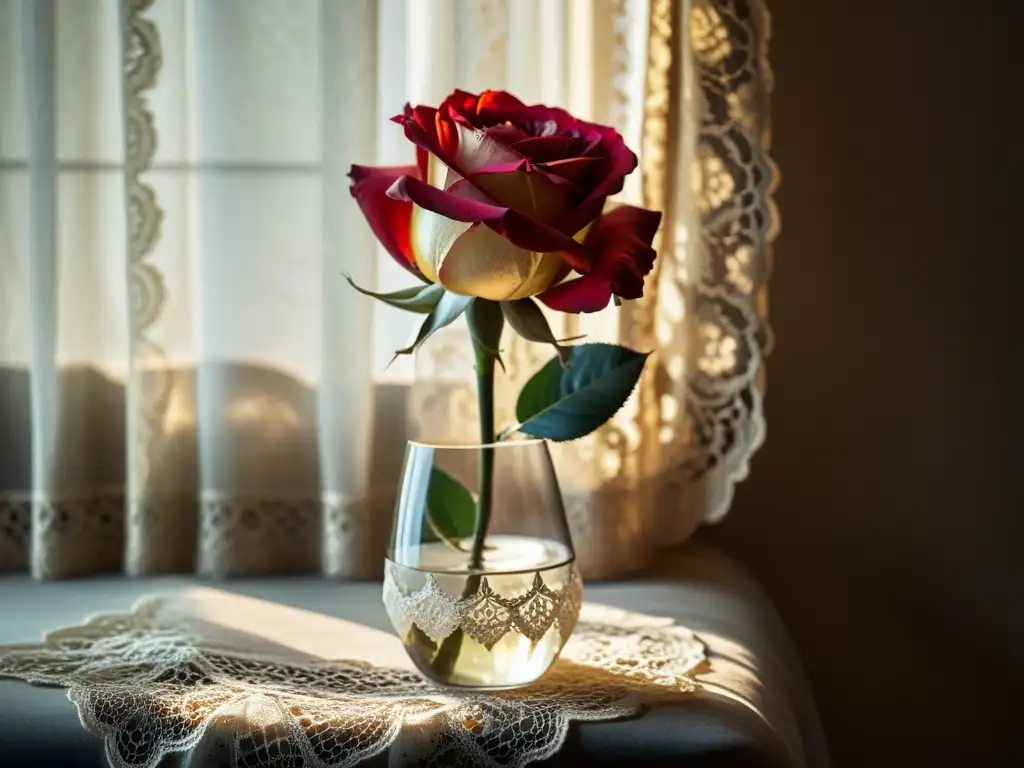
[{"x": 536, "y": 178}]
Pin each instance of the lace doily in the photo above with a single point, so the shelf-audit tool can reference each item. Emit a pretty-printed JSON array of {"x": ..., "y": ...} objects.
[
  {"x": 154, "y": 682},
  {"x": 486, "y": 615}
]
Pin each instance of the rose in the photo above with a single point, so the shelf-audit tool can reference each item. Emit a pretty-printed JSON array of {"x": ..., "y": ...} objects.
[{"x": 506, "y": 201}]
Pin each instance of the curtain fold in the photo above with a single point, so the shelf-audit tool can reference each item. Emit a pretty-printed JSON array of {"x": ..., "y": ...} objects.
[{"x": 186, "y": 381}]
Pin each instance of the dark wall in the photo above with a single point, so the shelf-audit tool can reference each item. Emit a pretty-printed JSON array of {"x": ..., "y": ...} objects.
[{"x": 883, "y": 513}]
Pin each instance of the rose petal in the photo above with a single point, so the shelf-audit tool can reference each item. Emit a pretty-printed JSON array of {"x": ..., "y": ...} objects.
[
  {"x": 500, "y": 101},
  {"x": 483, "y": 263},
  {"x": 487, "y": 109},
  {"x": 475, "y": 150},
  {"x": 507, "y": 133},
  {"x": 431, "y": 132},
  {"x": 527, "y": 191},
  {"x": 545, "y": 149},
  {"x": 389, "y": 219},
  {"x": 575, "y": 169},
  {"x": 537, "y": 236},
  {"x": 590, "y": 293},
  {"x": 550, "y": 121},
  {"x": 419, "y": 124},
  {"x": 622, "y": 240},
  {"x": 460, "y": 104},
  {"x": 461, "y": 201},
  {"x": 440, "y": 216}
]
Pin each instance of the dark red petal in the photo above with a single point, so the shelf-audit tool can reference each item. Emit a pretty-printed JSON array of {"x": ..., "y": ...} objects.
[
  {"x": 423, "y": 164},
  {"x": 462, "y": 103},
  {"x": 575, "y": 169},
  {"x": 498, "y": 101},
  {"x": 508, "y": 133},
  {"x": 537, "y": 236},
  {"x": 584, "y": 214},
  {"x": 549, "y": 121},
  {"x": 464, "y": 202},
  {"x": 618, "y": 165},
  {"x": 430, "y": 131},
  {"x": 621, "y": 241},
  {"x": 460, "y": 202},
  {"x": 590, "y": 293},
  {"x": 531, "y": 192},
  {"x": 388, "y": 218},
  {"x": 621, "y": 163},
  {"x": 488, "y": 109},
  {"x": 545, "y": 149}
]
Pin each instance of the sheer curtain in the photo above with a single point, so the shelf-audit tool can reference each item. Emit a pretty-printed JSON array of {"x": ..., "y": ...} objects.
[{"x": 186, "y": 381}]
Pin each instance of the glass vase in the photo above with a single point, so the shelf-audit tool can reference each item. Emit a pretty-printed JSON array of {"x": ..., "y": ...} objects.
[{"x": 491, "y": 611}]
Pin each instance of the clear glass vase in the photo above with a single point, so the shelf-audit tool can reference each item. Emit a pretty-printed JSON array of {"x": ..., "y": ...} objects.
[{"x": 482, "y": 612}]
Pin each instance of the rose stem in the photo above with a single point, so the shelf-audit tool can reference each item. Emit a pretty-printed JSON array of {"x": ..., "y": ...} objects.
[
  {"x": 485, "y": 477},
  {"x": 448, "y": 653}
]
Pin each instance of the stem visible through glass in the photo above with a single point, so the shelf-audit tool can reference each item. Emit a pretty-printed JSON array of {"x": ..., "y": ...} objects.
[
  {"x": 485, "y": 477},
  {"x": 448, "y": 652}
]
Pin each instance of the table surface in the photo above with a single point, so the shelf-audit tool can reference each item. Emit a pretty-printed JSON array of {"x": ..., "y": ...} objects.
[{"x": 770, "y": 721}]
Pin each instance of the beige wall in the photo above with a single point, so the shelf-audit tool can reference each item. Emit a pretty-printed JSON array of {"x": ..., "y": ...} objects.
[{"x": 884, "y": 512}]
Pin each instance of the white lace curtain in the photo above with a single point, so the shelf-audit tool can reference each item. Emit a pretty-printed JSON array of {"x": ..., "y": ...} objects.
[{"x": 187, "y": 383}]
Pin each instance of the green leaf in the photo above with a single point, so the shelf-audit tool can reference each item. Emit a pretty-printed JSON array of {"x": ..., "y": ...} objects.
[
  {"x": 486, "y": 322},
  {"x": 451, "y": 511},
  {"x": 445, "y": 312},
  {"x": 528, "y": 320},
  {"x": 419, "y": 298},
  {"x": 566, "y": 403}
]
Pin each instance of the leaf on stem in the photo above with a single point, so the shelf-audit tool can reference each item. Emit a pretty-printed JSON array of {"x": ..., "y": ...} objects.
[
  {"x": 528, "y": 320},
  {"x": 451, "y": 511},
  {"x": 419, "y": 298},
  {"x": 445, "y": 312},
  {"x": 567, "y": 403}
]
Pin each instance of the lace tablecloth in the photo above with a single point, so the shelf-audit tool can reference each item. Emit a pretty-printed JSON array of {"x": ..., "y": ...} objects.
[{"x": 211, "y": 677}]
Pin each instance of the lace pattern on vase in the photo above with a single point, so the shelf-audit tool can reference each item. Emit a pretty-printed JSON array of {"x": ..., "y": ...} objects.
[
  {"x": 152, "y": 686},
  {"x": 486, "y": 616}
]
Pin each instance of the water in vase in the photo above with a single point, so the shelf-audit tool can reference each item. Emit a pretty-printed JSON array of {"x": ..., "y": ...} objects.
[{"x": 499, "y": 627}]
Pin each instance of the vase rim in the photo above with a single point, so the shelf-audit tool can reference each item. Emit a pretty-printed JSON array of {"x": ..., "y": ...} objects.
[{"x": 477, "y": 446}]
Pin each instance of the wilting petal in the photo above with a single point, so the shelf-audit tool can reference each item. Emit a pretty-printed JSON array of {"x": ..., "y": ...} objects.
[
  {"x": 483, "y": 263},
  {"x": 389, "y": 219}
]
